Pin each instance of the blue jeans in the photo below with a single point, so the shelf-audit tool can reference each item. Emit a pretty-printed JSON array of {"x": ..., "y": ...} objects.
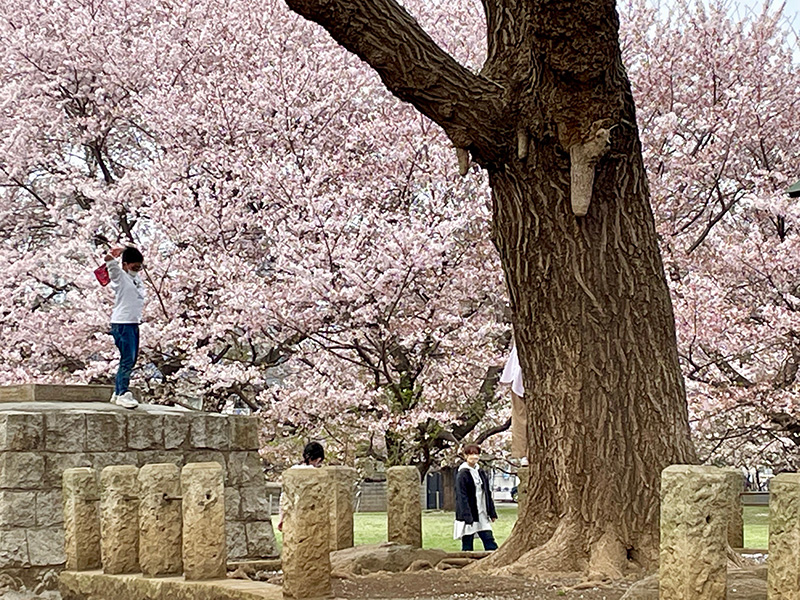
[
  {"x": 126, "y": 337},
  {"x": 487, "y": 537}
]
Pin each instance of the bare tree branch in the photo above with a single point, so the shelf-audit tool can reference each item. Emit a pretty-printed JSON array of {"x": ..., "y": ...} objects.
[{"x": 493, "y": 431}]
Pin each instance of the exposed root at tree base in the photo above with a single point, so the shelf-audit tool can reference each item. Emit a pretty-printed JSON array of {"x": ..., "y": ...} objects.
[
  {"x": 606, "y": 560},
  {"x": 587, "y": 585}
]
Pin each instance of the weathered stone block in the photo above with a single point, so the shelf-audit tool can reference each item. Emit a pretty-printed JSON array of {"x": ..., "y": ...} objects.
[
  {"x": 104, "y": 431},
  {"x": 306, "y": 534},
  {"x": 49, "y": 508},
  {"x": 160, "y": 520},
  {"x": 260, "y": 539},
  {"x": 101, "y": 460},
  {"x": 204, "y": 548},
  {"x": 245, "y": 469},
  {"x": 55, "y": 464},
  {"x": 694, "y": 530},
  {"x": 243, "y": 432},
  {"x": 233, "y": 502},
  {"x": 207, "y": 456},
  {"x": 236, "y": 540},
  {"x": 342, "y": 491},
  {"x": 46, "y": 546},
  {"x": 783, "y": 575},
  {"x": 64, "y": 432},
  {"x": 13, "y": 548},
  {"x": 404, "y": 508},
  {"x": 734, "y": 481},
  {"x": 119, "y": 519},
  {"x": 81, "y": 519},
  {"x": 176, "y": 432},
  {"x": 254, "y": 503},
  {"x": 153, "y": 457},
  {"x": 22, "y": 470},
  {"x": 209, "y": 431},
  {"x": 96, "y": 586},
  {"x": 21, "y": 431},
  {"x": 40, "y": 392},
  {"x": 17, "y": 509},
  {"x": 145, "y": 432}
]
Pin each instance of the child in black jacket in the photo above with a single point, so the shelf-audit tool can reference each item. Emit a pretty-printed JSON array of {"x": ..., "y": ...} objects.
[{"x": 475, "y": 510}]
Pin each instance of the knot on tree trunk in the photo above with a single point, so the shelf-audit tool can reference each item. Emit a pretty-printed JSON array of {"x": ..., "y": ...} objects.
[{"x": 583, "y": 157}]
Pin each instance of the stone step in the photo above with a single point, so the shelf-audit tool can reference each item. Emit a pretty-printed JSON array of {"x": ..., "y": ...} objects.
[{"x": 40, "y": 392}]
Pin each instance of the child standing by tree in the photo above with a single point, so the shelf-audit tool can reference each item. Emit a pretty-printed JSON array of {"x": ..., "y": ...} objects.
[{"x": 125, "y": 318}]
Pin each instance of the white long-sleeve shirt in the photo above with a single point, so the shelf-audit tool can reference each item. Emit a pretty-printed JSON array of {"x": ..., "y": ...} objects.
[
  {"x": 128, "y": 294},
  {"x": 512, "y": 373}
]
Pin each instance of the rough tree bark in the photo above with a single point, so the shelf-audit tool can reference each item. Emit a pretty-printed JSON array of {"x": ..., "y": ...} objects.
[{"x": 592, "y": 314}]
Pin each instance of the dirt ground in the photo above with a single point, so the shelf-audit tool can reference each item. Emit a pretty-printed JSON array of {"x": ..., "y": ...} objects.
[
  {"x": 434, "y": 585},
  {"x": 459, "y": 585}
]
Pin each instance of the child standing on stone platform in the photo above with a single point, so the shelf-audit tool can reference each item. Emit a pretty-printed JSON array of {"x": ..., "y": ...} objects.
[
  {"x": 475, "y": 510},
  {"x": 125, "y": 318}
]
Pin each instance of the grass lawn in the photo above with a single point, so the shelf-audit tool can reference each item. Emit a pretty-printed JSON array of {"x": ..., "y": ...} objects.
[
  {"x": 437, "y": 528},
  {"x": 756, "y": 526}
]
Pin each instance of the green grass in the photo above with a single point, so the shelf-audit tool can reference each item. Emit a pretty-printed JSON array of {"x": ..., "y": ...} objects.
[
  {"x": 756, "y": 526},
  {"x": 437, "y": 528}
]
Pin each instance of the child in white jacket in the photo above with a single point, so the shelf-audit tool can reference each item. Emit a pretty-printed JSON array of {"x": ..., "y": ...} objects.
[{"x": 125, "y": 318}]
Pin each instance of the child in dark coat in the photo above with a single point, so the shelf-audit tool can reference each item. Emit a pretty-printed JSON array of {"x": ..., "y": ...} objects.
[{"x": 475, "y": 510}]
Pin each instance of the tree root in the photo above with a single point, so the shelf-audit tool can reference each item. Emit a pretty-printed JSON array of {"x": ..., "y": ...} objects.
[
  {"x": 602, "y": 561},
  {"x": 587, "y": 585}
]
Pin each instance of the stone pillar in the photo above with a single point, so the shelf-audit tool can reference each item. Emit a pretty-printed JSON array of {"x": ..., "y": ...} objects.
[
  {"x": 734, "y": 482},
  {"x": 783, "y": 575},
  {"x": 119, "y": 519},
  {"x": 306, "y": 534},
  {"x": 81, "y": 519},
  {"x": 160, "y": 520},
  {"x": 342, "y": 481},
  {"x": 694, "y": 531},
  {"x": 404, "y": 508},
  {"x": 204, "y": 550}
]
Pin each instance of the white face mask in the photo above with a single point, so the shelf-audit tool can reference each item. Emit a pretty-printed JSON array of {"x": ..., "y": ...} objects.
[{"x": 134, "y": 274}]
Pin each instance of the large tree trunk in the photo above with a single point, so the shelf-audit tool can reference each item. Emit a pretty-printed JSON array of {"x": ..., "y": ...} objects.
[
  {"x": 596, "y": 340},
  {"x": 592, "y": 314}
]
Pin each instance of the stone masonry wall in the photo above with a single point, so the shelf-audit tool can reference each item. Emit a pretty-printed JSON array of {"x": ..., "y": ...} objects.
[{"x": 38, "y": 440}]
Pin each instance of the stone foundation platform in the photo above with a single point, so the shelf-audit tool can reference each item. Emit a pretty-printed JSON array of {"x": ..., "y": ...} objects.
[
  {"x": 94, "y": 585},
  {"x": 44, "y": 430}
]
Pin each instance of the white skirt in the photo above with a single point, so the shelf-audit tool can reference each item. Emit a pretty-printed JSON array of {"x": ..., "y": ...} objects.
[{"x": 460, "y": 528}]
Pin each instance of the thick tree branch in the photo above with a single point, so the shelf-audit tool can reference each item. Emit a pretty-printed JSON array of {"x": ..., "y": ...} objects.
[
  {"x": 414, "y": 68},
  {"x": 477, "y": 409},
  {"x": 493, "y": 431}
]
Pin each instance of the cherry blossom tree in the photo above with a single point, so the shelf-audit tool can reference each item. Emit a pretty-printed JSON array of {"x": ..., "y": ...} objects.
[
  {"x": 550, "y": 117},
  {"x": 308, "y": 248},
  {"x": 312, "y": 254},
  {"x": 719, "y": 117}
]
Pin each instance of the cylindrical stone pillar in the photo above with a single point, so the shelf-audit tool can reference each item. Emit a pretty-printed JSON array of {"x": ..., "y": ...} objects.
[
  {"x": 306, "y": 534},
  {"x": 81, "y": 519},
  {"x": 783, "y": 574},
  {"x": 119, "y": 519},
  {"x": 734, "y": 481},
  {"x": 160, "y": 520},
  {"x": 694, "y": 531},
  {"x": 404, "y": 507},
  {"x": 204, "y": 550},
  {"x": 342, "y": 482}
]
